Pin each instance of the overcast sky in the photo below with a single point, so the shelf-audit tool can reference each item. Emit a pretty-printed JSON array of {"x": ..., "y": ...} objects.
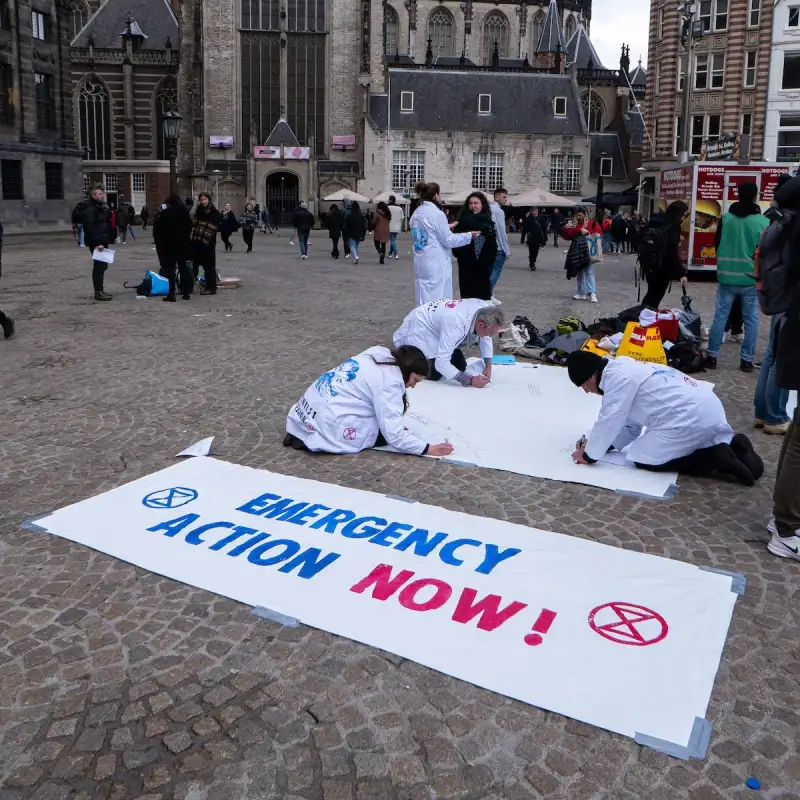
[{"x": 618, "y": 22}]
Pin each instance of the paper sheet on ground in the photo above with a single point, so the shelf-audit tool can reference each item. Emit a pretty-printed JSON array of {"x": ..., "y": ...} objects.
[
  {"x": 618, "y": 639},
  {"x": 528, "y": 421},
  {"x": 201, "y": 448}
]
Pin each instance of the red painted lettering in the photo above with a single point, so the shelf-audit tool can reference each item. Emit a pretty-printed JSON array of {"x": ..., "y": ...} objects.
[
  {"x": 491, "y": 615},
  {"x": 408, "y": 599},
  {"x": 385, "y": 585}
]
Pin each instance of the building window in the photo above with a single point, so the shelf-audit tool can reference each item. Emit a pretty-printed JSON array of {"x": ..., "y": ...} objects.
[
  {"x": 166, "y": 100},
  {"x": 440, "y": 32},
  {"x": 682, "y": 72},
  {"x": 560, "y": 106},
  {"x": 791, "y": 71},
  {"x": 407, "y": 101},
  {"x": 714, "y": 14},
  {"x": 53, "y": 181},
  {"x": 704, "y": 128},
  {"x": 87, "y": 183},
  {"x": 138, "y": 191},
  {"x": 45, "y": 101},
  {"x": 751, "y": 60},
  {"x": 479, "y": 166},
  {"x": 570, "y": 28},
  {"x": 660, "y": 28},
  {"x": 484, "y": 104},
  {"x": 592, "y": 112},
  {"x": 392, "y": 27},
  {"x": 713, "y": 64},
  {"x": 495, "y": 179},
  {"x": 538, "y": 28},
  {"x": 6, "y": 88},
  {"x": 487, "y": 171},
  {"x": 606, "y": 167},
  {"x": 11, "y": 174},
  {"x": 40, "y": 25},
  {"x": 111, "y": 181},
  {"x": 495, "y": 29},
  {"x": 408, "y": 168},
  {"x": 79, "y": 16},
  {"x": 794, "y": 17},
  {"x": 754, "y": 16},
  {"x": 565, "y": 173},
  {"x": 678, "y": 135},
  {"x": 747, "y": 124},
  {"x": 658, "y": 78},
  {"x": 788, "y": 138},
  {"x": 94, "y": 116}
]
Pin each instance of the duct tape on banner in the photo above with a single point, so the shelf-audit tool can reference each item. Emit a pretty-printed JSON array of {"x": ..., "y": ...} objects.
[
  {"x": 32, "y": 524},
  {"x": 697, "y": 747},
  {"x": 275, "y": 616},
  {"x": 738, "y": 581}
]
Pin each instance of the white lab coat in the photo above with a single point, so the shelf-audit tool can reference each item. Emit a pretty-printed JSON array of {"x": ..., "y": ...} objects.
[
  {"x": 440, "y": 327},
  {"x": 345, "y": 409},
  {"x": 433, "y": 245},
  {"x": 679, "y": 414}
]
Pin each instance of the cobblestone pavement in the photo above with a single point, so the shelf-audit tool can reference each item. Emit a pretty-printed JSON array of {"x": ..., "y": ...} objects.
[{"x": 117, "y": 683}]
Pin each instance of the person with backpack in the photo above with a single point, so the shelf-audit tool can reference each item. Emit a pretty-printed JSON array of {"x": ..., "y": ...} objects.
[
  {"x": 660, "y": 260},
  {"x": 580, "y": 225},
  {"x": 738, "y": 235}
]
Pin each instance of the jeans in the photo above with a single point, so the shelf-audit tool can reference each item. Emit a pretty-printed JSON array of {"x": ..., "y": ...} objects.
[
  {"x": 291, "y": 236},
  {"x": 302, "y": 237},
  {"x": 586, "y": 284},
  {"x": 499, "y": 260},
  {"x": 353, "y": 245},
  {"x": 80, "y": 235},
  {"x": 607, "y": 242},
  {"x": 771, "y": 400},
  {"x": 725, "y": 298},
  {"x": 122, "y": 233},
  {"x": 392, "y": 245}
]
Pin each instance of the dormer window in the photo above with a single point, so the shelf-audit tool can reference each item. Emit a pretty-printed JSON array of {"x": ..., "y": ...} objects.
[
  {"x": 406, "y": 102},
  {"x": 606, "y": 167},
  {"x": 484, "y": 104},
  {"x": 560, "y": 106}
]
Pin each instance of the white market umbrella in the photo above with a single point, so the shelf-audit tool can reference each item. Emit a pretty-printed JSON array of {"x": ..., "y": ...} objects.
[
  {"x": 539, "y": 197},
  {"x": 345, "y": 194},
  {"x": 383, "y": 197},
  {"x": 461, "y": 197}
]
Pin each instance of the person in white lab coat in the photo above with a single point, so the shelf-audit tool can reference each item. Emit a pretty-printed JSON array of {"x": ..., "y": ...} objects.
[
  {"x": 433, "y": 244},
  {"x": 360, "y": 404},
  {"x": 442, "y": 327},
  {"x": 684, "y": 423}
]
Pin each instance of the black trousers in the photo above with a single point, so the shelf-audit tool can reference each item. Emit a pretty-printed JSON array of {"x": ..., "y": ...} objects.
[
  {"x": 381, "y": 248},
  {"x": 346, "y": 243},
  {"x": 555, "y": 238},
  {"x": 98, "y": 274},
  {"x": 735, "y": 323},
  {"x": 533, "y": 254},
  {"x": 458, "y": 360},
  {"x": 226, "y": 240},
  {"x": 335, "y": 246},
  {"x": 701, "y": 463},
  {"x": 205, "y": 257},
  {"x": 247, "y": 237},
  {"x": 172, "y": 267},
  {"x": 657, "y": 286}
]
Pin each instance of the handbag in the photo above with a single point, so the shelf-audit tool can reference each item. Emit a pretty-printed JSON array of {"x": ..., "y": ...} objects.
[
  {"x": 578, "y": 257},
  {"x": 596, "y": 248}
]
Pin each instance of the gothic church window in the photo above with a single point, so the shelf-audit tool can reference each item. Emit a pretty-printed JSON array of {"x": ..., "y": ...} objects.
[
  {"x": 593, "y": 114},
  {"x": 569, "y": 28},
  {"x": 79, "y": 16},
  {"x": 495, "y": 29},
  {"x": 166, "y": 99},
  {"x": 538, "y": 28},
  {"x": 440, "y": 32},
  {"x": 392, "y": 26},
  {"x": 94, "y": 112}
]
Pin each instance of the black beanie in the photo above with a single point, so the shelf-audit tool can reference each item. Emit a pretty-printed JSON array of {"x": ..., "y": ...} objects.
[{"x": 582, "y": 364}]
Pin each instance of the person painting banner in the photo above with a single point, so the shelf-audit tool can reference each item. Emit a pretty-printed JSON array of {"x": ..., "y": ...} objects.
[
  {"x": 667, "y": 420},
  {"x": 360, "y": 404}
]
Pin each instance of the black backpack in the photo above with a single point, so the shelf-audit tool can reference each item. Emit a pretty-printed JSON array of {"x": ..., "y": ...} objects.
[
  {"x": 652, "y": 249},
  {"x": 686, "y": 357},
  {"x": 578, "y": 257},
  {"x": 774, "y": 262}
]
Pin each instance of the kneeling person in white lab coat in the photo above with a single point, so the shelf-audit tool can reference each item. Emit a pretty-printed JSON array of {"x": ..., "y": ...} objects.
[
  {"x": 360, "y": 404},
  {"x": 685, "y": 428},
  {"x": 442, "y": 327}
]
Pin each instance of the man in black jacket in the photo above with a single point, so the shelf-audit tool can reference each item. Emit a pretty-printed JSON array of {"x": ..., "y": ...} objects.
[
  {"x": 532, "y": 236},
  {"x": 6, "y": 323},
  {"x": 171, "y": 231},
  {"x": 662, "y": 264},
  {"x": 95, "y": 216},
  {"x": 303, "y": 222},
  {"x": 556, "y": 224}
]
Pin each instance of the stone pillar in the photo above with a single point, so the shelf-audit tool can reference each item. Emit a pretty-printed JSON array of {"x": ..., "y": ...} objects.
[
  {"x": 127, "y": 90},
  {"x": 24, "y": 89}
]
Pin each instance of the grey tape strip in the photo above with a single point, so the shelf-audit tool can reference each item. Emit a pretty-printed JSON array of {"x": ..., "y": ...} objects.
[
  {"x": 398, "y": 497},
  {"x": 458, "y": 463},
  {"x": 697, "y": 747},
  {"x": 627, "y": 493},
  {"x": 276, "y": 616},
  {"x": 738, "y": 581},
  {"x": 32, "y": 524}
]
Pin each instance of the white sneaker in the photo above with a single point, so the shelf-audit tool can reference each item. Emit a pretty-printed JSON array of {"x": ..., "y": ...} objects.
[
  {"x": 579, "y": 297},
  {"x": 355, "y": 261},
  {"x": 592, "y": 297},
  {"x": 397, "y": 255},
  {"x": 347, "y": 255},
  {"x": 305, "y": 257},
  {"x": 737, "y": 337},
  {"x": 783, "y": 546}
]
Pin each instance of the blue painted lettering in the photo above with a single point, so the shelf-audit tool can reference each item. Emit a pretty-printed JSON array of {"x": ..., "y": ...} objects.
[
  {"x": 393, "y": 531},
  {"x": 237, "y": 532},
  {"x": 312, "y": 512},
  {"x": 245, "y": 546},
  {"x": 258, "y": 504},
  {"x": 290, "y": 548},
  {"x": 494, "y": 556},
  {"x": 418, "y": 539},
  {"x": 359, "y": 529},
  {"x": 448, "y": 551},
  {"x": 309, "y": 562},
  {"x": 330, "y": 521},
  {"x": 172, "y": 527},
  {"x": 193, "y": 537}
]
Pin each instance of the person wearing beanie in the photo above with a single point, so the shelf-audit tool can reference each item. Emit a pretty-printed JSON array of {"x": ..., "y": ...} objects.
[{"x": 667, "y": 421}]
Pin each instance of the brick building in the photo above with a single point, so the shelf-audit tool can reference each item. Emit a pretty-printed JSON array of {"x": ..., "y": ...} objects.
[
  {"x": 39, "y": 162},
  {"x": 124, "y": 60}
]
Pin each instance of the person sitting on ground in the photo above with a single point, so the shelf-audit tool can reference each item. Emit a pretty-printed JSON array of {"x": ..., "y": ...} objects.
[
  {"x": 684, "y": 424},
  {"x": 442, "y": 327},
  {"x": 360, "y": 404}
]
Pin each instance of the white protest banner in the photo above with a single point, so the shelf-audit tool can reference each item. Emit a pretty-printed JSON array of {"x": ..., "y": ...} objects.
[{"x": 618, "y": 639}]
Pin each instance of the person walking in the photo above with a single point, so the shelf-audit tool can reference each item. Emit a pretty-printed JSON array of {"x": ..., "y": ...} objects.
[
  {"x": 95, "y": 216},
  {"x": 582, "y": 225},
  {"x": 248, "y": 222},
  {"x": 122, "y": 223},
  {"x": 476, "y": 258},
  {"x": 433, "y": 243},
  {"x": 503, "y": 248},
  {"x": 556, "y": 224},
  {"x": 334, "y": 222},
  {"x": 738, "y": 234},
  {"x": 171, "y": 231},
  {"x": 355, "y": 229},
  {"x": 660, "y": 258},
  {"x": 203, "y": 238},
  {"x": 228, "y": 225},
  {"x": 395, "y": 225},
  {"x": 264, "y": 220},
  {"x": 144, "y": 215},
  {"x": 532, "y": 236},
  {"x": 303, "y": 222},
  {"x": 6, "y": 323},
  {"x": 381, "y": 221}
]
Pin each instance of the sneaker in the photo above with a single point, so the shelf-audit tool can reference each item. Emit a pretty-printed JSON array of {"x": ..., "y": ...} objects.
[
  {"x": 8, "y": 326},
  {"x": 710, "y": 362},
  {"x": 758, "y": 423},
  {"x": 592, "y": 297},
  {"x": 784, "y": 546},
  {"x": 170, "y": 298},
  {"x": 103, "y": 296},
  {"x": 355, "y": 261},
  {"x": 746, "y": 366},
  {"x": 579, "y": 297},
  {"x": 777, "y": 430},
  {"x": 397, "y": 255},
  {"x": 743, "y": 448},
  {"x": 347, "y": 255}
]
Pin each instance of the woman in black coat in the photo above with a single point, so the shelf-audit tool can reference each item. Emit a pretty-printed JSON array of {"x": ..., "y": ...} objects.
[
  {"x": 476, "y": 259},
  {"x": 355, "y": 229},
  {"x": 334, "y": 222},
  {"x": 171, "y": 230}
]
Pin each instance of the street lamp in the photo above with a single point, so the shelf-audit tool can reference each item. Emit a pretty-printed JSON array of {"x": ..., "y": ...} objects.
[
  {"x": 171, "y": 120},
  {"x": 598, "y": 211}
]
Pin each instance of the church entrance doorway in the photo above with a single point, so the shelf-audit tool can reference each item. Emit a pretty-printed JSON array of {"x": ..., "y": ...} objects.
[{"x": 283, "y": 192}]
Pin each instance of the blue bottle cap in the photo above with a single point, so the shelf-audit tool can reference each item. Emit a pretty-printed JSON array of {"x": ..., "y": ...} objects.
[{"x": 753, "y": 783}]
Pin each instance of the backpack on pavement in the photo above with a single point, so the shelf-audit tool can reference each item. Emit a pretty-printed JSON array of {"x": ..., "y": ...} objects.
[
  {"x": 152, "y": 285},
  {"x": 772, "y": 265}
]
